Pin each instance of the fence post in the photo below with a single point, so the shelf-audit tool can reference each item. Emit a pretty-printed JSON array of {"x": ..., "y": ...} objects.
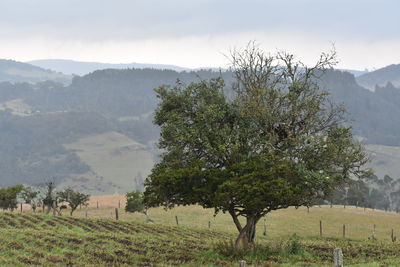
[
  {"x": 116, "y": 214},
  {"x": 21, "y": 207},
  {"x": 338, "y": 257},
  {"x": 265, "y": 226},
  {"x": 86, "y": 213},
  {"x": 209, "y": 224},
  {"x": 320, "y": 228},
  {"x": 344, "y": 231},
  {"x": 393, "y": 236},
  {"x": 176, "y": 219},
  {"x": 242, "y": 264},
  {"x": 373, "y": 232}
]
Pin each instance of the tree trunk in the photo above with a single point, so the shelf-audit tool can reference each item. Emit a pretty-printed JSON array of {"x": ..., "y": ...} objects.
[{"x": 245, "y": 240}]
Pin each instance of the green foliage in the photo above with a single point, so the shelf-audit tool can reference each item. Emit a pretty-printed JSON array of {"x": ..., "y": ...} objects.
[
  {"x": 30, "y": 196},
  {"x": 49, "y": 199},
  {"x": 261, "y": 252},
  {"x": 8, "y": 197},
  {"x": 73, "y": 198},
  {"x": 278, "y": 142},
  {"x": 134, "y": 202},
  {"x": 294, "y": 245}
]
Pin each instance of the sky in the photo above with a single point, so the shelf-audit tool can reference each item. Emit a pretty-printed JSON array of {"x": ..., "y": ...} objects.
[{"x": 193, "y": 34}]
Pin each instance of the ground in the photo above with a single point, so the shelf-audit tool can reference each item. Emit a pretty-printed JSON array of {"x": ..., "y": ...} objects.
[{"x": 200, "y": 239}]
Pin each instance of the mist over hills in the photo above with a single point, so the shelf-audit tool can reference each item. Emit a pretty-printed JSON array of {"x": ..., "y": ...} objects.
[
  {"x": 80, "y": 68},
  {"x": 96, "y": 133},
  {"x": 380, "y": 77},
  {"x": 14, "y": 71}
]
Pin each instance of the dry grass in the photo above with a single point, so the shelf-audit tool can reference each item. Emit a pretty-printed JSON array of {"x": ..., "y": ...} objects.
[{"x": 280, "y": 224}]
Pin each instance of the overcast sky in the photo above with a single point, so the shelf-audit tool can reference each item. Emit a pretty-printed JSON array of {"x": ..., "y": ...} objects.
[{"x": 194, "y": 34}]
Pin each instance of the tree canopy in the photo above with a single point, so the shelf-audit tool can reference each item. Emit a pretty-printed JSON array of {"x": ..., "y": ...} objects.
[
  {"x": 73, "y": 198},
  {"x": 277, "y": 141},
  {"x": 8, "y": 197}
]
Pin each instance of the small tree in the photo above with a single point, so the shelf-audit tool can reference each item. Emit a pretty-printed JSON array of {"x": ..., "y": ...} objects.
[
  {"x": 49, "y": 198},
  {"x": 8, "y": 197},
  {"x": 30, "y": 196},
  {"x": 73, "y": 198},
  {"x": 277, "y": 142},
  {"x": 135, "y": 203}
]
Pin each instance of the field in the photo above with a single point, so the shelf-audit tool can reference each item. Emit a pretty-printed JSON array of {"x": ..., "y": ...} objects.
[
  {"x": 200, "y": 239},
  {"x": 114, "y": 157}
]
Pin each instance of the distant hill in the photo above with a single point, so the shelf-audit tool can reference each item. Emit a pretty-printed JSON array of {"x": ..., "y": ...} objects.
[
  {"x": 380, "y": 77},
  {"x": 82, "y": 68},
  {"x": 356, "y": 73},
  {"x": 14, "y": 71},
  {"x": 96, "y": 134},
  {"x": 373, "y": 115}
]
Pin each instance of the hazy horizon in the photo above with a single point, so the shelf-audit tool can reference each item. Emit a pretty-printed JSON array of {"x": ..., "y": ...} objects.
[{"x": 197, "y": 34}]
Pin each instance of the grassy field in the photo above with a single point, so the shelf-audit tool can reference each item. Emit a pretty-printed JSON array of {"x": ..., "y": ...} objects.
[
  {"x": 100, "y": 240},
  {"x": 115, "y": 157},
  {"x": 280, "y": 224}
]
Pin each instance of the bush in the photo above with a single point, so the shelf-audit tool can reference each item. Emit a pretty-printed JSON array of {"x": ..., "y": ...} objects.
[
  {"x": 8, "y": 197},
  {"x": 294, "y": 245}
]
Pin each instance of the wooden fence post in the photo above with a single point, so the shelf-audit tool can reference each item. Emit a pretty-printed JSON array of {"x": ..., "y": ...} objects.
[
  {"x": 265, "y": 226},
  {"x": 373, "y": 232},
  {"x": 393, "y": 236},
  {"x": 344, "y": 231},
  {"x": 320, "y": 228},
  {"x": 116, "y": 214},
  {"x": 338, "y": 257},
  {"x": 21, "y": 207},
  {"x": 176, "y": 219}
]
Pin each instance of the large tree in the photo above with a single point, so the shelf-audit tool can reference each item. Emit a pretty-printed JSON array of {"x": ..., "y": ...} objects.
[{"x": 276, "y": 141}]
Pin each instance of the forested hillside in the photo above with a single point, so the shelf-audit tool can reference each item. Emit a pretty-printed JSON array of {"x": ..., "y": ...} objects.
[
  {"x": 97, "y": 132},
  {"x": 380, "y": 77}
]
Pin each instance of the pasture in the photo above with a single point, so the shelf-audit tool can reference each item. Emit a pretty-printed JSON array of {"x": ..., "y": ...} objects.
[{"x": 199, "y": 239}]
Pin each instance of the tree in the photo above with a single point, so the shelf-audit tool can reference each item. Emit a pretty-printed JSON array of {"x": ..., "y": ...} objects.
[
  {"x": 49, "y": 199},
  {"x": 135, "y": 203},
  {"x": 30, "y": 197},
  {"x": 8, "y": 197},
  {"x": 73, "y": 198},
  {"x": 278, "y": 141}
]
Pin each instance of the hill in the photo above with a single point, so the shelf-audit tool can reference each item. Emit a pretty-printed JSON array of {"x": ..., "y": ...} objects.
[
  {"x": 13, "y": 71},
  {"x": 373, "y": 115},
  {"x": 97, "y": 135},
  {"x": 81, "y": 68},
  {"x": 37, "y": 239},
  {"x": 381, "y": 77}
]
